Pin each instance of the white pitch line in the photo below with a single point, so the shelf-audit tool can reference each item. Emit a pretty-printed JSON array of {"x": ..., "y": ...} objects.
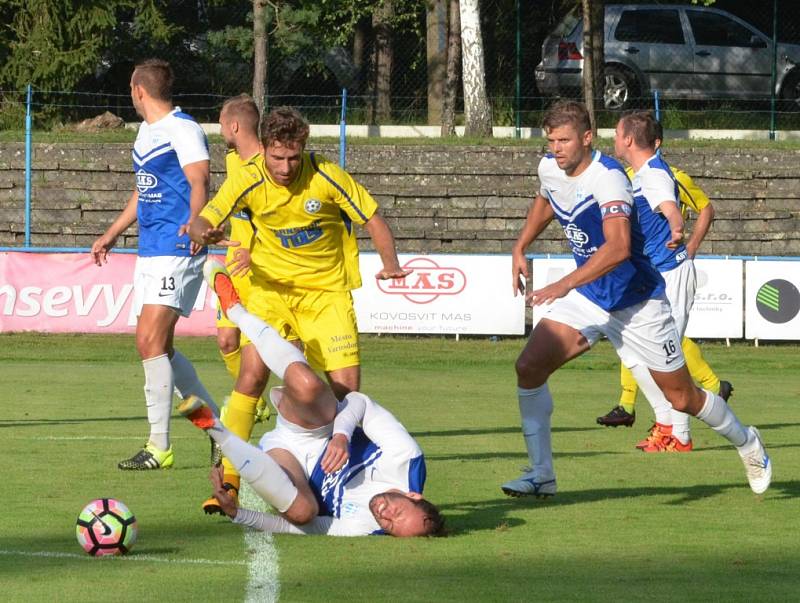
[
  {"x": 263, "y": 585},
  {"x": 132, "y": 557}
]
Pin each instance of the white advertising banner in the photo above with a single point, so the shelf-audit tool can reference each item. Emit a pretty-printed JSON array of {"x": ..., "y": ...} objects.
[
  {"x": 445, "y": 294},
  {"x": 544, "y": 272},
  {"x": 718, "y": 305},
  {"x": 773, "y": 300},
  {"x": 718, "y": 311}
]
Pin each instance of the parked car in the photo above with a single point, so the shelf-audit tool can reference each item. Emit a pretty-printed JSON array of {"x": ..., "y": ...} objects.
[{"x": 683, "y": 51}]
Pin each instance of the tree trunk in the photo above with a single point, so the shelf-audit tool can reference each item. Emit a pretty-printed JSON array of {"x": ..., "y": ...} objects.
[
  {"x": 436, "y": 46},
  {"x": 453, "y": 61},
  {"x": 260, "y": 54},
  {"x": 477, "y": 113},
  {"x": 589, "y": 93},
  {"x": 384, "y": 58}
]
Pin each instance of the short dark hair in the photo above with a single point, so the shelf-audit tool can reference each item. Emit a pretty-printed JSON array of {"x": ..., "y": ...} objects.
[
  {"x": 284, "y": 124},
  {"x": 565, "y": 112},
  {"x": 433, "y": 520},
  {"x": 244, "y": 109},
  {"x": 642, "y": 126},
  {"x": 156, "y": 77}
]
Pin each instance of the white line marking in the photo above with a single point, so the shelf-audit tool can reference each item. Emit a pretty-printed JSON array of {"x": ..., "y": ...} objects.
[
  {"x": 263, "y": 585},
  {"x": 131, "y": 557}
]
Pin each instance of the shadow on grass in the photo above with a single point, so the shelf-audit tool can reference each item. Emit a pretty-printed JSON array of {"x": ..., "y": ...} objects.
[
  {"x": 40, "y": 422},
  {"x": 493, "y": 430},
  {"x": 521, "y": 456},
  {"x": 482, "y": 515}
]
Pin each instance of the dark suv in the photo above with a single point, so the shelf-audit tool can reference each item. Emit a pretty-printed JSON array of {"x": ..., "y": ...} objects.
[{"x": 683, "y": 51}]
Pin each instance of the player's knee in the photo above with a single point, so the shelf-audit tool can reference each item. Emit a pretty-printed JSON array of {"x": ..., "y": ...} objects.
[
  {"x": 150, "y": 344},
  {"x": 529, "y": 372},
  {"x": 302, "y": 510},
  {"x": 227, "y": 344},
  {"x": 251, "y": 383}
]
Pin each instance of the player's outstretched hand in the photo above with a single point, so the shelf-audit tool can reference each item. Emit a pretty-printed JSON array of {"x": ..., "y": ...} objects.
[
  {"x": 548, "y": 294},
  {"x": 226, "y": 502},
  {"x": 392, "y": 273},
  {"x": 676, "y": 240},
  {"x": 240, "y": 263},
  {"x": 100, "y": 249},
  {"x": 336, "y": 454}
]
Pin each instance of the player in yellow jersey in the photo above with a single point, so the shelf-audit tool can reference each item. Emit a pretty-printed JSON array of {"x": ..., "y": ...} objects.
[
  {"x": 691, "y": 197},
  {"x": 304, "y": 254}
]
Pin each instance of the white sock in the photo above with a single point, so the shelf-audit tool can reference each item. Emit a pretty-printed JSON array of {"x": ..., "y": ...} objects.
[
  {"x": 275, "y": 351},
  {"x": 158, "y": 385},
  {"x": 256, "y": 467},
  {"x": 659, "y": 403},
  {"x": 680, "y": 426},
  {"x": 719, "y": 417},
  {"x": 187, "y": 382},
  {"x": 535, "y": 408}
]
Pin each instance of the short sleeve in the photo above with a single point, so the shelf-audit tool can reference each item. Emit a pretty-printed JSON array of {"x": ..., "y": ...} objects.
[
  {"x": 657, "y": 187},
  {"x": 613, "y": 185},
  {"x": 189, "y": 142}
]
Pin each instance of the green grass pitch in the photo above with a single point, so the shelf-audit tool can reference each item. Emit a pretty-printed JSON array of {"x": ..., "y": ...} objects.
[{"x": 625, "y": 526}]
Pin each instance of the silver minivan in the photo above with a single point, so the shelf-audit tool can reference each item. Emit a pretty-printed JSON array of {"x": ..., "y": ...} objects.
[{"x": 683, "y": 51}]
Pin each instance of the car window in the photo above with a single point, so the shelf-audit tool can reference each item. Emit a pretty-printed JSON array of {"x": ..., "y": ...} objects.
[
  {"x": 712, "y": 29},
  {"x": 651, "y": 26}
]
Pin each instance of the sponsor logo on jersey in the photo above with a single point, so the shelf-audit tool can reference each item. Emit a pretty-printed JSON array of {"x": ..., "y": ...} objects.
[
  {"x": 426, "y": 283},
  {"x": 145, "y": 181},
  {"x": 298, "y": 237},
  {"x": 313, "y": 206},
  {"x": 575, "y": 235}
]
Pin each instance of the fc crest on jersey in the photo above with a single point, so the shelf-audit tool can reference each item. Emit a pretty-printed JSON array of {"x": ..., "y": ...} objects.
[{"x": 313, "y": 206}]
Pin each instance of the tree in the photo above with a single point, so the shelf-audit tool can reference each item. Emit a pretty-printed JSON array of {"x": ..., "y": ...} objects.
[
  {"x": 436, "y": 51},
  {"x": 381, "y": 80},
  {"x": 593, "y": 61},
  {"x": 260, "y": 53},
  {"x": 477, "y": 113},
  {"x": 453, "y": 61}
]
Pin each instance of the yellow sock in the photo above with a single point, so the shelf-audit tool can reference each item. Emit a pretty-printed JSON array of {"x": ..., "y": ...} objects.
[
  {"x": 233, "y": 361},
  {"x": 627, "y": 398},
  {"x": 699, "y": 369},
  {"x": 240, "y": 417}
]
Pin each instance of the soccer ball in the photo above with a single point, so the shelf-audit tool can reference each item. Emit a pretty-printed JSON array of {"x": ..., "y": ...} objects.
[{"x": 106, "y": 527}]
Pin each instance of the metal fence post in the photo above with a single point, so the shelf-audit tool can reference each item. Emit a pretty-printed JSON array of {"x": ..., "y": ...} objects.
[
  {"x": 774, "y": 69},
  {"x": 342, "y": 131},
  {"x": 28, "y": 167},
  {"x": 517, "y": 83}
]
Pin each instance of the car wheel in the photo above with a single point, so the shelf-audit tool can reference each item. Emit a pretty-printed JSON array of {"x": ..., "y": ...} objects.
[
  {"x": 790, "y": 91},
  {"x": 620, "y": 89}
]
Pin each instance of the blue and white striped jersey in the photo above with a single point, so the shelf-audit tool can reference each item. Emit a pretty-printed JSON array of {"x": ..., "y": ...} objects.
[
  {"x": 160, "y": 152},
  {"x": 580, "y": 204}
]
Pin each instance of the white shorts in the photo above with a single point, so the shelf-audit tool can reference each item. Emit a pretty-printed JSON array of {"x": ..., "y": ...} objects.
[
  {"x": 306, "y": 445},
  {"x": 644, "y": 333},
  {"x": 167, "y": 280},
  {"x": 681, "y": 285}
]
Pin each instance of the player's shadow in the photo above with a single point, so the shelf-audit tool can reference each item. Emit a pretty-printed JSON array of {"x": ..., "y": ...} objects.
[
  {"x": 39, "y": 422},
  {"x": 488, "y": 431},
  {"x": 520, "y": 456},
  {"x": 482, "y": 515}
]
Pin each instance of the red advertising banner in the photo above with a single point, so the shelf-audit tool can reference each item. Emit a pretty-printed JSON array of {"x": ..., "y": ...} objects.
[{"x": 67, "y": 293}]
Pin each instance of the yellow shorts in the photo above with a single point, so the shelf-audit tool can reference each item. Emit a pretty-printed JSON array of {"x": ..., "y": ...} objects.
[
  {"x": 242, "y": 285},
  {"x": 324, "y": 321}
]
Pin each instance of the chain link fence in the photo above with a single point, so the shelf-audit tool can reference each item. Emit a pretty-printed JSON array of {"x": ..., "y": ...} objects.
[{"x": 701, "y": 67}]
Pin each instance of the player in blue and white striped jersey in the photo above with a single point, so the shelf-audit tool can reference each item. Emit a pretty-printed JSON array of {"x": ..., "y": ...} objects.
[
  {"x": 171, "y": 165},
  {"x": 614, "y": 292},
  {"x": 321, "y": 472}
]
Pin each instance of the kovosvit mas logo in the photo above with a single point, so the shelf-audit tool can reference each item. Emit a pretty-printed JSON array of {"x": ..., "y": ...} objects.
[{"x": 778, "y": 301}]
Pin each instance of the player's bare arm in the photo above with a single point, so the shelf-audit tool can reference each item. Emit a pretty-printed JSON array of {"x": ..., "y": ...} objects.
[
  {"x": 240, "y": 262},
  {"x": 615, "y": 250},
  {"x": 197, "y": 174},
  {"x": 540, "y": 214},
  {"x": 226, "y": 502},
  {"x": 108, "y": 239},
  {"x": 203, "y": 232},
  {"x": 383, "y": 240},
  {"x": 336, "y": 454},
  {"x": 669, "y": 209},
  {"x": 701, "y": 226}
]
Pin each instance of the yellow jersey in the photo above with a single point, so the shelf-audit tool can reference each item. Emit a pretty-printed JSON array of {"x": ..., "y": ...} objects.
[
  {"x": 304, "y": 235},
  {"x": 690, "y": 195},
  {"x": 241, "y": 229}
]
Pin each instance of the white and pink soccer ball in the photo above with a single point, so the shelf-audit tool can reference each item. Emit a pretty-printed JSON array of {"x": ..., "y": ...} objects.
[{"x": 106, "y": 527}]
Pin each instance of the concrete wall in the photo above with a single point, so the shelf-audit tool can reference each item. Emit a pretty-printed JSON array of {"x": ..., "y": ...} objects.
[{"x": 436, "y": 198}]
